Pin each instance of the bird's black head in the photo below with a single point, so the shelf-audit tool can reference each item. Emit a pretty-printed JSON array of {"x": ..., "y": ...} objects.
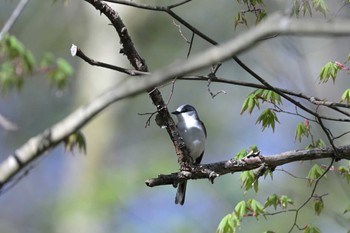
[{"x": 184, "y": 108}]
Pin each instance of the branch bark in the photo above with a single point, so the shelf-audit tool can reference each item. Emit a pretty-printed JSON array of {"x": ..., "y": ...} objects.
[
  {"x": 274, "y": 24},
  {"x": 213, "y": 170}
]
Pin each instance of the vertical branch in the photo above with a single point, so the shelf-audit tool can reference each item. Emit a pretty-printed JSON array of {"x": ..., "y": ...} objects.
[{"x": 139, "y": 64}]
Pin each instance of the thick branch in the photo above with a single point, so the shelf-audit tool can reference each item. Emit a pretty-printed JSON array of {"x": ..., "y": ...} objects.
[{"x": 206, "y": 171}]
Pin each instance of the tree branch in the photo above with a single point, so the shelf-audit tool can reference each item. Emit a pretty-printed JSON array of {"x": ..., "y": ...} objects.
[
  {"x": 205, "y": 171},
  {"x": 14, "y": 16},
  {"x": 314, "y": 100}
]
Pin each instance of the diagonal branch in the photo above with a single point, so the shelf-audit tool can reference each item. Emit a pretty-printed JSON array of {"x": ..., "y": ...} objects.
[
  {"x": 14, "y": 16},
  {"x": 139, "y": 64}
]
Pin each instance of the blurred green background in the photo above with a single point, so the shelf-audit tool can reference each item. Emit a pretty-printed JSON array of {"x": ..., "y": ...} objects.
[{"x": 104, "y": 191}]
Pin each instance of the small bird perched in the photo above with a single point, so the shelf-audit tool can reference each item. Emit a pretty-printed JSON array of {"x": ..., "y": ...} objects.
[{"x": 194, "y": 134}]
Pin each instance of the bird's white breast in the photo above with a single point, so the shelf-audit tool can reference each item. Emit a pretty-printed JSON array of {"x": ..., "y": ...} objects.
[{"x": 193, "y": 135}]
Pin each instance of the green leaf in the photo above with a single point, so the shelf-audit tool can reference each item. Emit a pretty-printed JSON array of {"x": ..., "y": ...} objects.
[
  {"x": 64, "y": 66},
  {"x": 227, "y": 225},
  {"x": 59, "y": 76},
  {"x": 315, "y": 172},
  {"x": 330, "y": 70},
  {"x": 311, "y": 229},
  {"x": 241, "y": 209},
  {"x": 320, "y": 6},
  {"x": 347, "y": 209},
  {"x": 272, "y": 200},
  {"x": 275, "y": 200},
  {"x": 318, "y": 205},
  {"x": 252, "y": 100},
  {"x": 320, "y": 143},
  {"x": 75, "y": 140},
  {"x": 9, "y": 78},
  {"x": 267, "y": 118},
  {"x": 296, "y": 8},
  {"x": 260, "y": 16},
  {"x": 345, "y": 172},
  {"x": 247, "y": 178},
  {"x": 241, "y": 154},
  {"x": 249, "y": 103},
  {"x": 302, "y": 130},
  {"x": 256, "y": 207},
  {"x": 285, "y": 201},
  {"x": 306, "y": 7},
  {"x": 47, "y": 61},
  {"x": 345, "y": 96},
  {"x": 240, "y": 19}
]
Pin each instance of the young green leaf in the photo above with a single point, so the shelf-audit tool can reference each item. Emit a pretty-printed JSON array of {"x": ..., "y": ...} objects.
[
  {"x": 59, "y": 75},
  {"x": 75, "y": 140},
  {"x": 275, "y": 200},
  {"x": 306, "y": 7},
  {"x": 256, "y": 207},
  {"x": 315, "y": 172},
  {"x": 347, "y": 209},
  {"x": 311, "y": 229},
  {"x": 226, "y": 225},
  {"x": 241, "y": 209},
  {"x": 247, "y": 178},
  {"x": 318, "y": 205},
  {"x": 345, "y": 172},
  {"x": 345, "y": 96},
  {"x": 260, "y": 16},
  {"x": 240, "y": 154},
  {"x": 267, "y": 118},
  {"x": 249, "y": 103},
  {"x": 272, "y": 200},
  {"x": 330, "y": 70},
  {"x": 302, "y": 130},
  {"x": 320, "y": 143},
  {"x": 240, "y": 19},
  {"x": 320, "y": 6},
  {"x": 285, "y": 201}
]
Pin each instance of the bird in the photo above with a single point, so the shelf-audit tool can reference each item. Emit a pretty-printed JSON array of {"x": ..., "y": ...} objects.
[{"x": 194, "y": 135}]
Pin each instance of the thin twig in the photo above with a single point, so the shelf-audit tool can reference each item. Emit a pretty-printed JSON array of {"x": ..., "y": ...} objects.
[
  {"x": 14, "y": 16},
  {"x": 75, "y": 51}
]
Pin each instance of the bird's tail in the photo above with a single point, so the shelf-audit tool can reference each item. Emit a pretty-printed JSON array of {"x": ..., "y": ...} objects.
[{"x": 181, "y": 192}]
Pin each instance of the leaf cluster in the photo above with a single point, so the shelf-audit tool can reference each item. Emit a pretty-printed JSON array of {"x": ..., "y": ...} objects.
[
  {"x": 254, "y": 7},
  {"x": 252, "y": 208},
  {"x": 17, "y": 62},
  {"x": 267, "y": 117},
  {"x": 308, "y": 7}
]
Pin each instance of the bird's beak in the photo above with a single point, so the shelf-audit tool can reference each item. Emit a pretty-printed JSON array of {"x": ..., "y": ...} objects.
[{"x": 175, "y": 112}]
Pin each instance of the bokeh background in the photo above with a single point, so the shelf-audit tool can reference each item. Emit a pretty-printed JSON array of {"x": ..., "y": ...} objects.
[{"x": 104, "y": 191}]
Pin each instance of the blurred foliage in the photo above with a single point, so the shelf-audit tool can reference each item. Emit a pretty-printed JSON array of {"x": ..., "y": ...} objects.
[
  {"x": 345, "y": 172},
  {"x": 75, "y": 141},
  {"x": 253, "y": 7},
  {"x": 310, "y": 6},
  {"x": 17, "y": 62},
  {"x": 256, "y": 8}
]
